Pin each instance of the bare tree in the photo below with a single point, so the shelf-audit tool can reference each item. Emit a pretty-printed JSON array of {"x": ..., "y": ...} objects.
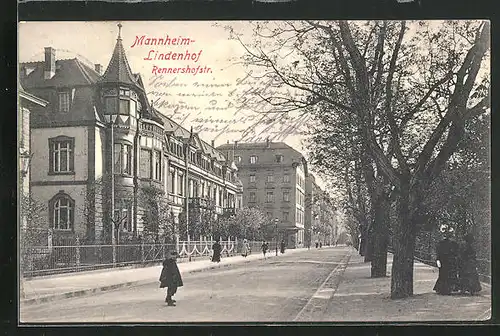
[{"x": 410, "y": 87}]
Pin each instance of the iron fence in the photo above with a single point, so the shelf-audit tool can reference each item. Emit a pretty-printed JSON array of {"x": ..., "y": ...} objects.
[{"x": 47, "y": 260}]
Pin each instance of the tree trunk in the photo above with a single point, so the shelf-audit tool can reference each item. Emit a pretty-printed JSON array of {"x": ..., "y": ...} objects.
[
  {"x": 368, "y": 253},
  {"x": 380, "y": 239},
  {"x": 404, "y": 246}
]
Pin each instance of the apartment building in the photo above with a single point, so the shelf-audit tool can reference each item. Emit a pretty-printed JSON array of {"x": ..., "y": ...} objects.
[
  {"x": 273, "y": 175},
  {"x": 99, "y": 140}
]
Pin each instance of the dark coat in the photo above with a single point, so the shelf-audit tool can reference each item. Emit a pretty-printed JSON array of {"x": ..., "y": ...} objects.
[
  {"x": 468, "y": 277},
  {"x": 170, "y": 275},
  {"x": 447, "y": 253},
  {"x": 217, "y": 248},
  {"x": 264, "y": 247},
  {"x": 282, "y": 247}
]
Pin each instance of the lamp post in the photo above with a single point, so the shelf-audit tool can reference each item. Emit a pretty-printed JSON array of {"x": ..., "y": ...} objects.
[
  {"x": 276, "y": 220},
  {"x": 113, "y": 236}
]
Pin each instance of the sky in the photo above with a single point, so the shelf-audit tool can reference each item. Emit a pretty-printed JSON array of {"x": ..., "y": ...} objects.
[{"x": 204, "y": 100}]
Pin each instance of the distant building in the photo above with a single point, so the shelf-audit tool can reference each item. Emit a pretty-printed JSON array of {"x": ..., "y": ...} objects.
[
  {"x": 98, "y": 126},
  {"x": 273, "y": 175}
]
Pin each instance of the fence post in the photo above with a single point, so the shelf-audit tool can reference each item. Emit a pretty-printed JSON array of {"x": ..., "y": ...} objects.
[
  {"x": 77, "y": 253},
  {"x": 143, "y": 259}
]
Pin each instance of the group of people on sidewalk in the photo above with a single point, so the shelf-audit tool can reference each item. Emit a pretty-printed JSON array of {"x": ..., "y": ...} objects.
[{"x": 457, "y": 265}]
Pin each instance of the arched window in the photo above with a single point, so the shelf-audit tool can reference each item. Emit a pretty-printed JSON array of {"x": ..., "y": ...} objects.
[{"x": 62, "y": 212}]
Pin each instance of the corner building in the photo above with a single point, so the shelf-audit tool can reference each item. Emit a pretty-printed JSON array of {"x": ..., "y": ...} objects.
[
  {"x": 100, "y": 126},
  {"x": 273, "y": 175}
]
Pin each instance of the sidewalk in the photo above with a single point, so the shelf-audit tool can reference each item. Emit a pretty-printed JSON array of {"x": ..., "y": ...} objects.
[
  {"x": 361, "y": 298},
  {"x": 56, "y": 287}
]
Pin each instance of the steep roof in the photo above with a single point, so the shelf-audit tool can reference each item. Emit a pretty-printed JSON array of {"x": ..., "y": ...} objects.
[
  {"x": 256, "y": 145},
  {"x": 69, "y": 72},
  {"x": 182, "y": 133},
  {"x": 118, "y": 70}
]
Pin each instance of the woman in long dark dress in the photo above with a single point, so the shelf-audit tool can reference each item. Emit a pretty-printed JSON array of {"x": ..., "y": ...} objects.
[
  {"x": 447, "y": 254},
  {"x": 217, "y": 248},
  {"x": 468, "y": 277}
]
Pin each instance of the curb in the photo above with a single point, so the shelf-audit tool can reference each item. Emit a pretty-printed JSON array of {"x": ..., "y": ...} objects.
[{"x": 90, "y": 291}]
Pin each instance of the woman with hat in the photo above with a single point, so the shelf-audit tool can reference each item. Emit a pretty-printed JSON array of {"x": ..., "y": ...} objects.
[
  {"x": 447, "y": 252},
  {"x": 467, "y": 274}
]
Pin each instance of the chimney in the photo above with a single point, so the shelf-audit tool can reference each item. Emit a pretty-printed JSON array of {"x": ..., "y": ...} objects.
[
  {"x": 236, "y": 144},
  {"x": 98, "y": 68},
  {"x": 268, "y": 143},
  {"x": 213, "y": 143},
  {"x": 50, "y": 63}
]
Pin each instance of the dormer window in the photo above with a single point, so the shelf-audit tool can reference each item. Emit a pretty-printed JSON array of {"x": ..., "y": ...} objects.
[{"x": 64, "y": 101}]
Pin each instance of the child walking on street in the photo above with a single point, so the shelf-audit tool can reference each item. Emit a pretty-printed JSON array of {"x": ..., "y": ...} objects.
[{"x": 170, "y": 277}]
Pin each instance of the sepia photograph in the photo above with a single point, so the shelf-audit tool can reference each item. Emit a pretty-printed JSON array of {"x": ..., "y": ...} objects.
[{"x": 254, "y": 171}]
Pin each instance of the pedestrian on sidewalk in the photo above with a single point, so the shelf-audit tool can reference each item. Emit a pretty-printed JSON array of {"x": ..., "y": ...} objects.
[
  {"x": 170, "y": 277},
  {"x": 447, "y": 252},
  {"x": 264, "y": 248},
  {"x": 245, "y": 248},
  {"x": 467, "y": 274},
  {"x": 217, "y": 249},
  {"x": 282, "y": 246}
]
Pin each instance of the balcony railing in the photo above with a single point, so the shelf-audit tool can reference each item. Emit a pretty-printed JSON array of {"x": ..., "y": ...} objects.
[{"x": 199, "y": 202}]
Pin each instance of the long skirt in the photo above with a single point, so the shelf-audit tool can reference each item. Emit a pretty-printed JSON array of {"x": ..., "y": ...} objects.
[{"x": 447, "y": 281}]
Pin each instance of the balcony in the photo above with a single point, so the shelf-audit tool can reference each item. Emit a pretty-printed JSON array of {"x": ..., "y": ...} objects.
[
  {"x": 229, "y": 212},
  {"x": 176, "y": 199},
  {"x": 198, "y": 202}
]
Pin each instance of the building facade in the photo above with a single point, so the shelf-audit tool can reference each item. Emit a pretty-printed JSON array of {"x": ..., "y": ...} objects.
[
  {"x": 26, "y": 103},
  {"x": 321, "y": 216},
  {"x": 273, "y": 175},
  {"x": 99, "y": 143}
]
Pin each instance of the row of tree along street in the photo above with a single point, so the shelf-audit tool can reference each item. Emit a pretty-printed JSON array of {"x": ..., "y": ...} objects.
[{"x": 399, "y": 117}]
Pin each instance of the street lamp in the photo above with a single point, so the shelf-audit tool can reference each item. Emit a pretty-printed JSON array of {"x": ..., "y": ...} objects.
[
  {"x": 276, "y": 220},
  {"x": 25, "y": 162}
]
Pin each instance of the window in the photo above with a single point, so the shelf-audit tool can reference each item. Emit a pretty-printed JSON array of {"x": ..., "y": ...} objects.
[
  {"x": 180, "y": 185},
  {"x": 286, "y": 196},
  {"x": 252, "y": 197},
  {"x": 279, "y": 158},
  {"x": 252, "y": 178},
  {"x": 146, "y": 169},
  {"x": 270, "y": 196},
  {"x": 285, "y": 216},
  {"x": 127, "y": 159},
  {"x": 157, "y": 165},
  {"x": 110, "y": 104},
  {"x": 237, "y": 159},
  {"x": 172, "y": 182},
  {"x": 124, "y": 106},
  {"x": 61, "y": 153},
  {"x": 286, "y": 178},
  {"x": 123, "y": 215},
  {"x": 254, "y": 159},
  {"x": 270, "y": 178},
  {"x": 62, "y": 212},
  {"x": 64, "y": 101}
]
